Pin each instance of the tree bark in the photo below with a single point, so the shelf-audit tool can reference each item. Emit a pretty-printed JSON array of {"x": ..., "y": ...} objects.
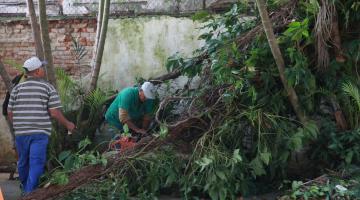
[
  {"x": 98, "y": 31},
  {"x": 275, "y": 49},
  {"x": 165, "y": 77},
  {"x": 5, "y": 77},
  {"x": 35, "y": 29},
  {"x": 100, "y": 49},
  {"x": 336, "y": 39},
  {"x": 46, "y": 43}
]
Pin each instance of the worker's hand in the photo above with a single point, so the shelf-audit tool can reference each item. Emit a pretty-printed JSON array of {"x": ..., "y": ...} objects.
[
  {"x": 70, "y": 126},
  {"x": 141, "y": 131}
]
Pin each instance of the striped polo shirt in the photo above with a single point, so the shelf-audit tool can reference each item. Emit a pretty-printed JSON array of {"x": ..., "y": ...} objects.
[{"x": 29, "y": 102}]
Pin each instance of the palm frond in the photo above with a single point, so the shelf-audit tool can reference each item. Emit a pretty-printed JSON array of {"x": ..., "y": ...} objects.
[
  {"x": 67, "y": 88},
  {"x": 353, "y": 92},
  {"x": 95, "y": 100},
  {"x": 78, "y": 50}
]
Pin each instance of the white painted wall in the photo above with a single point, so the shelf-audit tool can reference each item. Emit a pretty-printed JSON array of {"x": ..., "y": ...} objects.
[{"x": 139, "y": 47}]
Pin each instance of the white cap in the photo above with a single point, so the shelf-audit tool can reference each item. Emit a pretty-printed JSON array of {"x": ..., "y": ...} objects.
[
  {"x": 148, "y": 89},
  {"x": 33, "y": 63}
]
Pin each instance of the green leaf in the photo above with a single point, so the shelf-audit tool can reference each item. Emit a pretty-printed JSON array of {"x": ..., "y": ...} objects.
[
  {"x": 222, "y": 194},
  {"x": 221, "y": 175},
  {"x": 84, "y": 143},
  {"x": 163, "y": 131},
  {"x": 296, "y": 140},
  {"x": 63, "y": 155},
  {"x": 60, "y": 178},
  {"x": 257, "y": 167},
  {"x": 236, "y": 156},
  {"x": 349, "y": 157},
  {"x": 295, "y": 185},
  {"x": 103, "y": 161},
  {"x": 126, "y": 129},
  {"x": 311, "y": 130},
  {"x": 204, "y": 162},
  {"x": 265, "y": 157},
  {"x": 213, "y": 194},
  {"x": 69, "y": 164},
  {"x": 305, "y": 33}
]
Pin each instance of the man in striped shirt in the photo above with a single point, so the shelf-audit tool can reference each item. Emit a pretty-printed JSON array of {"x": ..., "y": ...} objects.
[{"x": 31, "y": 105}]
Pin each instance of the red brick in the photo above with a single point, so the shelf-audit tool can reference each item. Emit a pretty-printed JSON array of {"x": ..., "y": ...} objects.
[
  {"x": 68, "y": 38},
  {"x": 19, "y": 26},
  {"x": 86, "y": 35},
  {"x": 90, "y": 43},
  {"x": 83, "y": 41},
  {"x": 61, "y": 48},
  {"x": 90, "y": 30},
  {"x": 80, "y": 25},
  {"x": 69, "y": 29},
  {"x": 61, "y": 30}
]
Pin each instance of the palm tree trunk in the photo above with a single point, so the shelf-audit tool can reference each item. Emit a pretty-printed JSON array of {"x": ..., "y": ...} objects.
[
  {"x": 5, "y": 77},
  {"x": 35, "y": 29},
  {"x": 275, "y": 49},
  {"x": 98, "y": 30},
  {"x": 46, "y": 43},
  {"x": 336, "y": 39},
  {"x": 100, "y": 49}
]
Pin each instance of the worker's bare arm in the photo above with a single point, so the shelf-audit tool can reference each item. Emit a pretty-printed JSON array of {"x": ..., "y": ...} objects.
[
  {"x": 10, "y": 116},
  {"x": 58, "y": 115},
  {"x": 133, "y": 127}
]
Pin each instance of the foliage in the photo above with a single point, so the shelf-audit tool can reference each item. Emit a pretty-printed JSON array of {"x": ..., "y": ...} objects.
[
  {"x": 155, "y": 171},
  {"x": 84, "y": 109},
  {"x": 353, "y": 92},
  {"x": 109, "y": 188},
  {"x": 69, "y": 161},
  {"x": 68, "y": 89},
  {"x": 337, "y": 149},
  {"x": 325, "y": 187},
  {"x": 252, "y": 137}
]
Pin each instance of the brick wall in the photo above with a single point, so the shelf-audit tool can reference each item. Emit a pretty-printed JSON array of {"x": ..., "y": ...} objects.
[{"x": 17, "y": 44}]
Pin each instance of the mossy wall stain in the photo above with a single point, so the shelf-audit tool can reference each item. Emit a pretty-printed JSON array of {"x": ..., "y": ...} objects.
[{"x": 139, "y": 47}]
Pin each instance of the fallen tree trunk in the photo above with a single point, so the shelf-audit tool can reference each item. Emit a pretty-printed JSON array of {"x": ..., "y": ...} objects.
[
  {"x": 86, "y": 174},
  {"x": 165, "y": 77},
  {"x": 83, "y": 176}
]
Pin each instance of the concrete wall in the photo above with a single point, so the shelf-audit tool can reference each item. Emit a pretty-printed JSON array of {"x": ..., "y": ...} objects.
[
  {"x": 135, "y": 47},
  {"x": 139, "y": 47}
]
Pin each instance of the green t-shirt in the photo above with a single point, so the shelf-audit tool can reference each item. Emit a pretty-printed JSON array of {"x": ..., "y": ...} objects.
[{"x": 128, "y": 99}]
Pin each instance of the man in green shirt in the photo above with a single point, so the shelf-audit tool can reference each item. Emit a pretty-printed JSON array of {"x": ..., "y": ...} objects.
[{"x": 132, "y": 105}]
